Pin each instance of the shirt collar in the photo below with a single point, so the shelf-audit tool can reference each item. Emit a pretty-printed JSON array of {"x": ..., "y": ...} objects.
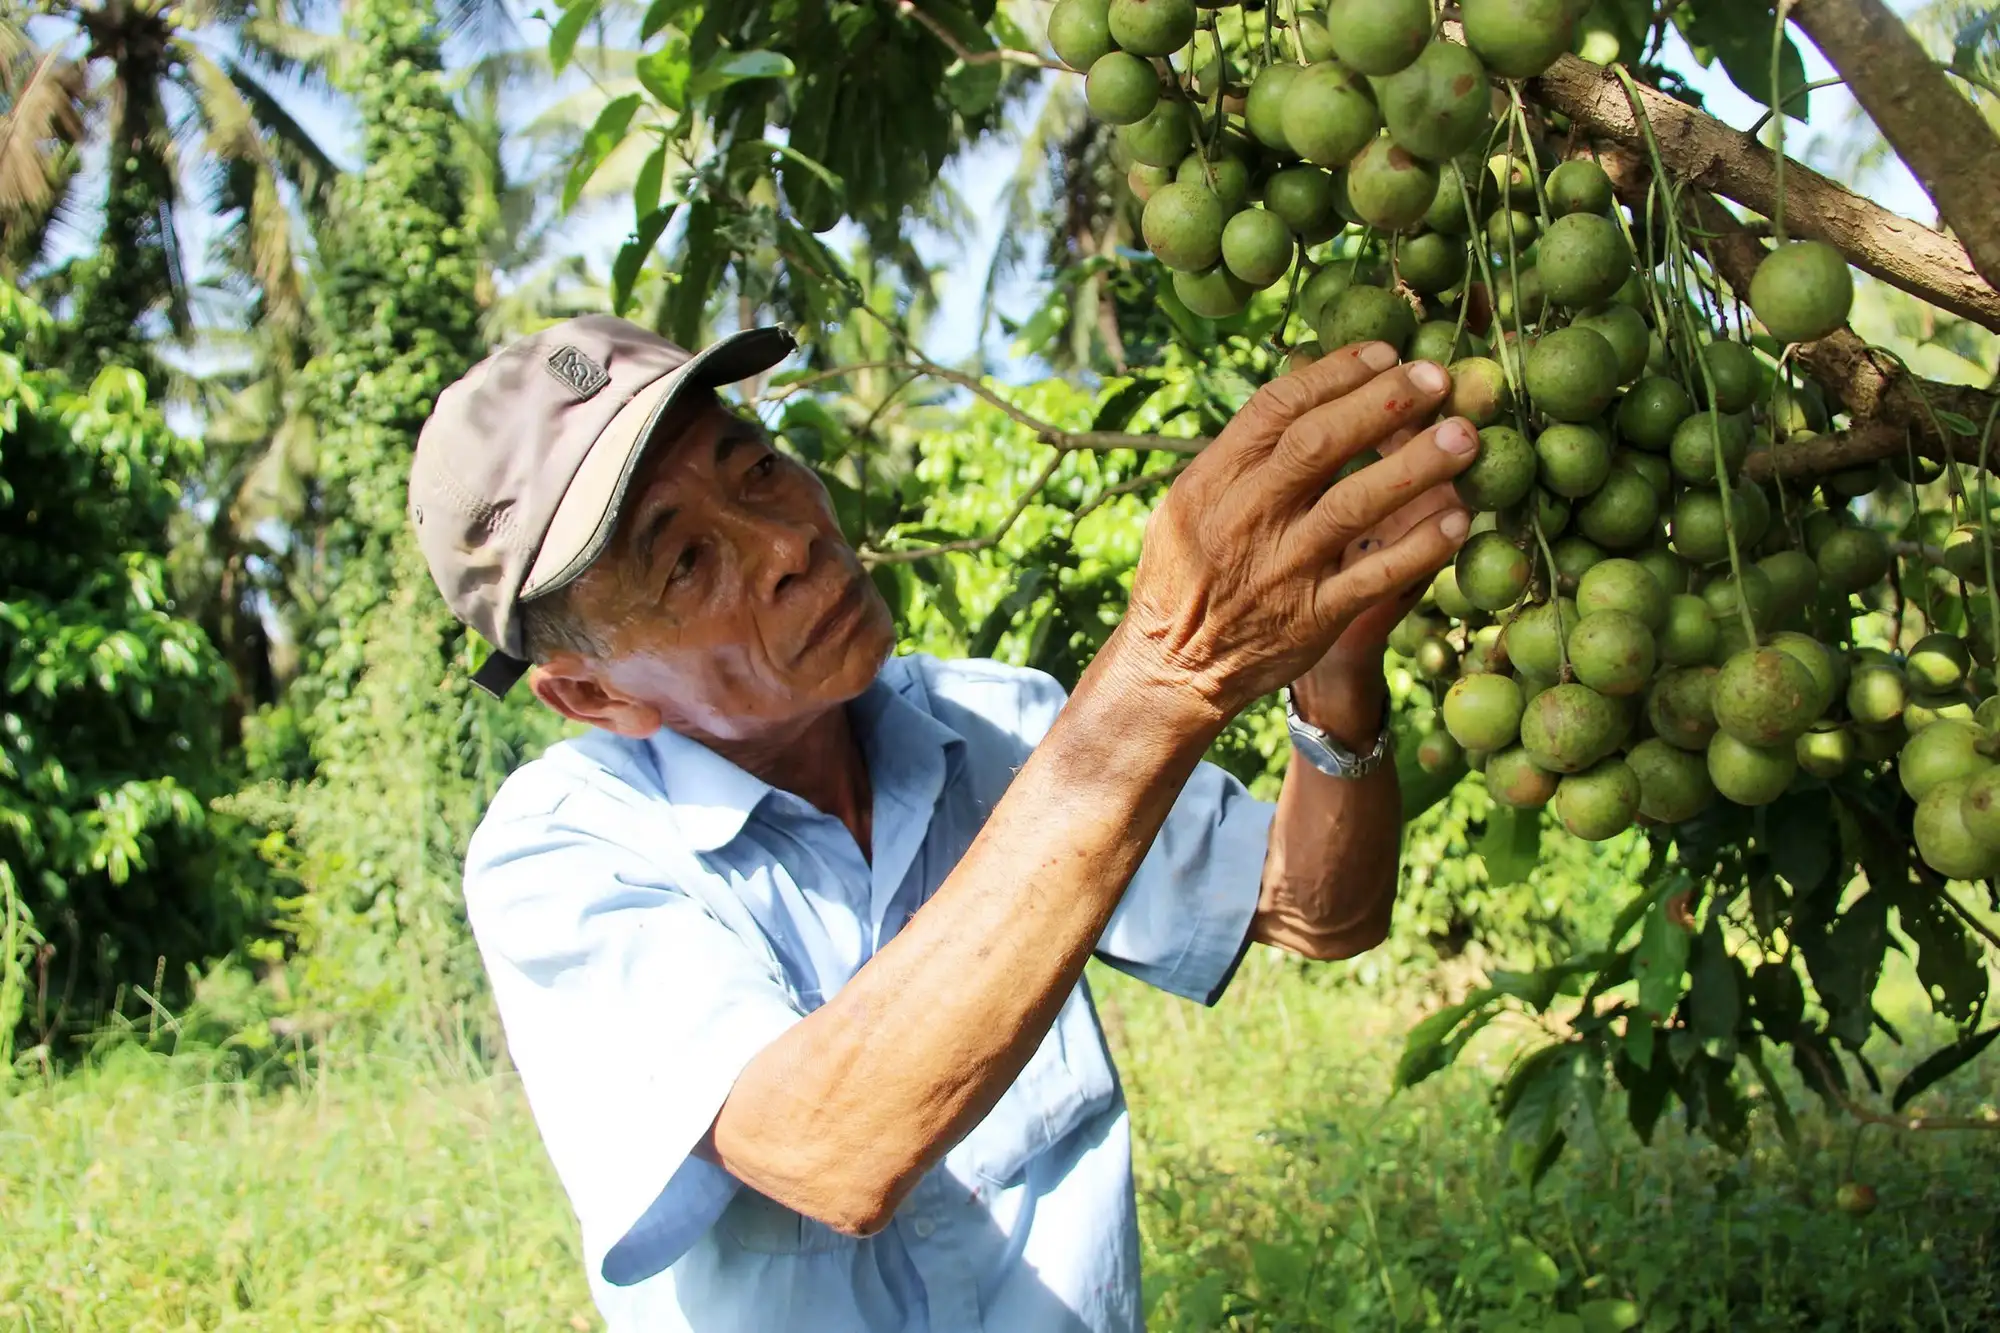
[{"x": 712, "y": 798}]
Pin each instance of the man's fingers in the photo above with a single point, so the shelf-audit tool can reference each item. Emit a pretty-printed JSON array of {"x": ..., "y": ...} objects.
[
  {"x": 1315, "y": 444},
  {"x": 1395, "y": 569},
  {"x": 1354, "y": 505},
  {"x": 1276, "y": 406}
]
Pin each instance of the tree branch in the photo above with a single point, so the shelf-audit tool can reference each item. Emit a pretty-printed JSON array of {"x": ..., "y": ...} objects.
[
  {"x": 1704, "y": 152},
  {"x": 1903, "y": 1122},
  {"x": 1938, "y": 133},
  {"x": 1000, "y": 56},
  {"x": 916, "y": 553}
]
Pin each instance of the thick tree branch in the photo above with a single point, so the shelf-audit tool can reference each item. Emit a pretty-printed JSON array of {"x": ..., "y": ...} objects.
[
  {"x": 1000, "y": 56},
  {"x": 1704, "y": 152},
  {"x": 1938, "y": 133}
]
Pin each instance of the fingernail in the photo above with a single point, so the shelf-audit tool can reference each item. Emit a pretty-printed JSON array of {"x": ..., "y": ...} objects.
[
  {"x": 1377, "y": 356},
  {"x": 1455, "y": 524},
  {"x": 1455, "y": 437},
  {"x": 1367, "y": 544},
  {"x": 1430, "y": 377}
]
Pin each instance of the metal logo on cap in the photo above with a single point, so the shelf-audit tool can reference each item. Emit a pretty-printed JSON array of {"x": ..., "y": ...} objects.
[{"x": 578, "y": 372}]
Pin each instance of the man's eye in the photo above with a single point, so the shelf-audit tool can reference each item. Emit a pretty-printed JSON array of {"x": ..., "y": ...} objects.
[
  {"x": 764, "y": 466},
  {"x": 683, "y": 566}
]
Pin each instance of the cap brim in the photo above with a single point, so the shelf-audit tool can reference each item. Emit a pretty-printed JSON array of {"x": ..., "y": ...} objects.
[{"x": 588, "y": 511}]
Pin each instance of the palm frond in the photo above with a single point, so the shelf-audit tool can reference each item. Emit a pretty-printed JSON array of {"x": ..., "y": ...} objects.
[{"x": 45, "y": 110}]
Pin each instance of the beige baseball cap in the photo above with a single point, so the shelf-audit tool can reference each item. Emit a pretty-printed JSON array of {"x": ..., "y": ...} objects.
[{"x": 520, "y": 470}]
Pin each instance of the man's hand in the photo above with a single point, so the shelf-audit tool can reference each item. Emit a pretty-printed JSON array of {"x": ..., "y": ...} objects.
[{"x": 1254, "y": 566}]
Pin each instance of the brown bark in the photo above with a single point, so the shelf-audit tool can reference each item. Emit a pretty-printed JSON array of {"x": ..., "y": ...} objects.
[
  {"x": 1702, "y": 151},
  {"x": 1938, "y": 133}
]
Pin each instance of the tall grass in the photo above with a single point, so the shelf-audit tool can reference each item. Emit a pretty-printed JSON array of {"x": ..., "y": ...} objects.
[{"x": 1278, "y": 1190}]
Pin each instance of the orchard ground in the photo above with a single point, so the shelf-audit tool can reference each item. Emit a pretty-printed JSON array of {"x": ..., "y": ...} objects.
[{"x": 1280, "y": 1188}]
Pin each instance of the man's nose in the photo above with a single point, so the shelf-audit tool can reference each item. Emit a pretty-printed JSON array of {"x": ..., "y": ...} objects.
[{"x": 784, "y": 552}]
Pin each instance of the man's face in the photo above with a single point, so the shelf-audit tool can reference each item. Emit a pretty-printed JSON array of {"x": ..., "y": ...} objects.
[{"x": 727, "y": 602}]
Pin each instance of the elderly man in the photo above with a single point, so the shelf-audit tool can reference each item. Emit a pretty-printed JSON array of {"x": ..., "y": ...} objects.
[{"x": 789, "y": 943}]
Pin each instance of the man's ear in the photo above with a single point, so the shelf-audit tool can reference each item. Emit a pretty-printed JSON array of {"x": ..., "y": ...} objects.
[{"x": 570, "y": 684}]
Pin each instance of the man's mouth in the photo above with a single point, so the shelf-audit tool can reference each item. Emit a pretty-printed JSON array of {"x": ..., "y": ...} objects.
[{"x": 837, "y": 614}]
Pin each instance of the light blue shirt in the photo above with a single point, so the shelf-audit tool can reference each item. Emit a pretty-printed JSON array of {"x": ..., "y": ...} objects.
[{"x": 651, "y": 916}]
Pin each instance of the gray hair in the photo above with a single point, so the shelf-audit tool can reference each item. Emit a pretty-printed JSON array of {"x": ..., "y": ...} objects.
[{"x": 550, "y": 626}]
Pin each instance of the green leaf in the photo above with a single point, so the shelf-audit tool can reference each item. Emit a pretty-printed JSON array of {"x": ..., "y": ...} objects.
[
  {"x": 1646, "y": 1092},
  {"x": 1950, "y": 963},
  {"x": 1844, "y": 962},
  {"x": 730, "y": 67},
  {"x": 1739, "y": 34},
  {"x": 606, "y": 134},
  {"x": 1715, "y": 995},
  {"x": 658, "y": 15},
  {"x": 1660, "y": 960},
  {"x": 1436, "y": 1041},
  {"x": 1796, "y": 828},
  {"x": 563, "y": 37},
  {"x": 1001, "y": 617},
  {"x": 652, "y": 178},
  {"x": 632, "y": 256},
  {"x": 1941, "y": 1063},
  {"x": 664, "y": 74},
  {"x": 1511, "y": 845},
  {"x": 1123, "y": 404},
  {"x": 1777, "y": 999},
  {"x": 704, "y": 252},
  {"x": 1955, "y": 423},
  {"x": 1781, "y": 1110},
  {"x": 1608, "y": 1315},
  {"x": 1534, "y": 1271}
]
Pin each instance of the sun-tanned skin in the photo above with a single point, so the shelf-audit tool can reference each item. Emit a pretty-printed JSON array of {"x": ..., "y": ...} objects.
[{"x": 728, "y": 608}]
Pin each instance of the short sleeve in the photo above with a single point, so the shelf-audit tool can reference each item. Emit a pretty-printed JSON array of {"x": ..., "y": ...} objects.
[
  {"x": 630, "y": 1009},
  {"x": 1184, "y": 922}
]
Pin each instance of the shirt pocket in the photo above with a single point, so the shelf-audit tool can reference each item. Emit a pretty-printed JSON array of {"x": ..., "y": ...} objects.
[
  {"x": 1067, "y": 1083},
  {"x": 764, "y": 1226}
]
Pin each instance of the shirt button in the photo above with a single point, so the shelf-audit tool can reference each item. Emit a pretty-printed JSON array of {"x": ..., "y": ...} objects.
[{"x": 923, "y": 1226}]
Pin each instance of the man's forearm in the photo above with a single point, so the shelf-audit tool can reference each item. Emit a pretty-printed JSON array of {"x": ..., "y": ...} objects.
[
  {"x": 841, "y": 1116},
  {"x": 1330, "y": 874}
]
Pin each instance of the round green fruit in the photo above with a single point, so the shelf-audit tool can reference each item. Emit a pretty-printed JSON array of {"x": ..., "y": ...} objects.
[
  {"x": 1182, "y": 225},
  {"x": 1483, "y": 712},
  {"x": 1623, "y": 513},
  {"x": 1817, "y": 659},
  {"x": 1080, "y": 32},
  {"x": 1578, "y": 186},
  {"x": 1320, "y": 290},
  {"x": 1315, "y": 38},
  {"x": 1964, "y": 554},
  {"x": 1575, "y": 459},
  {"x": 1922, "y": 709},
  {"x": 1650, "y": 466},
  {"x": 1852, "y": 559},
  {"x": 1216, "y": 294},
  {"x": 1411, "y": 631},
  {"x": 1389, "y": 188},
  {"x": 1492, "y": 571},
  {"x": 1947, "y": 845},
  {"x": 1447, "y": 215},
  {"x": 1502, "y": 473},
  {"x": 1876, "y": 693},
  {"x": 1479, "y": 391},
  {"x": 1152, "y": 27},
  {"x": 1944, "y": 750},
  {"x": 1625, "y": 329},
  {"x": 1304, "y": 199},
  {"x": 1696, "y": 525},
  {"x": 1681, "y": 707},
  {"x": 1484, "y": 651},
  {"x": 1750, "y": 774},
  {"x": 1439, "y": 753},
  {"x": 1572, "y": 374},
  {"x": 1693, "y": 449},
  {"x": 1535, "y": 637},
  {"x": 1802, "y": 291},
  {"x": 1574, "y": 557},
  {"x": 1652, "y": 412},
  {"x": 1600, "y": 802},
  {"x": 1689, "y": 634},
  {"x": 1224, "y": 175},
  {"x": 1515, "y": 780},
  {"x": 1733, "y": 370},
  {"x": 1437, "y": 340},
  {"x": 1518, "y": 39},
  {"x": 1257, "y": 247},
  {"x": 1439, "y": 106},
  {"x": 1623, "y": 585},
  {"x": 1328, "y": 115},
  {"x": 1674, "y": 785},
  {"x": 1378, "y": 37},
  {"x": 1764, "y": 696},
  {"x": 1827, "y": 751},
  {"x": 1366, "y": 314},
  {"x": 1728, "y": 597},
  {"x": 1121, "y": 89},
  {"x": 1263, "y": 106},
  {"x": 1567, "y": 728},
  {"x": 1431, "y": 263},
  {"x": 1612, "y": 652},
  {"x": 1794, "y": 581},
  {"x": 1143, "y": 180},
  {"x": 1938, "y": 662},
  {"x": 1583, "y": 260},
  {"x": 1667, "y": 568},
  {"x": 1162, "y": 138},
  {"x": 1981, "y": 811},
  {"x": 1436, "y": 659}
]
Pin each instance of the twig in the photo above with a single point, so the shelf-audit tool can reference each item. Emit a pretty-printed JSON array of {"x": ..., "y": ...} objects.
[
  {"x": 1965, "y": 914},
  {"x": 1000, "y": 56},
  {"x": 1903, "y": 1122},
  {"x": 873, "y": 558},
  {"x": 1138, "y": 483}
]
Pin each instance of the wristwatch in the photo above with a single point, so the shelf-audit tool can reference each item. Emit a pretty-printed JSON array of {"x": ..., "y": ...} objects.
[{"x": 1328, "y": 755}]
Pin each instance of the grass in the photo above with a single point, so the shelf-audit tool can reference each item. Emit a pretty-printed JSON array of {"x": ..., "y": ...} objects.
[{"x": 1278, "y": 1190}]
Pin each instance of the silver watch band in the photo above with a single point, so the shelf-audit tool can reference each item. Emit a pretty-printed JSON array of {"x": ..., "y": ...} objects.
[{"x": 1328, "y": 755}]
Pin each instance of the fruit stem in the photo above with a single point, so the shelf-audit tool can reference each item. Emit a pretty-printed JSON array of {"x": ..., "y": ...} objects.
[
  {"x": 1986, "y": 528},
  {"x": 1282, "y": 340},
  {"x": 1778, "y": 123},
  {"x": 1563, "y": 673},
  {"x": 1520, "y": 114},
  {"x": 1298, "y": 40}
]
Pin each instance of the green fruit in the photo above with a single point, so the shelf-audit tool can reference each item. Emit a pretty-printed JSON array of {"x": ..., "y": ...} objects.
[
  {"x": 1492, "y": 571},
  {"x": 1697, "y": 528},
  {"x": 1938, "y": 662},
  {"x": 1689, "y": 634},
  {"x": 1216, "y": 294},
  {"x": 1436, "y": 658},
  {"x": 1854, "y": 1198},
  {"x": 1802, "y": 291},
  {"x": 1599, "y": 802},
  {"x": 1942, "y": 838},
  {"x": 1625, "y": 329},
  {"x": 1314, "y": 37},
  {"x": 1650, "y": 466},
  {"x": 1502, "y": 473},
  {"x": 1964, "y": 554},
  {"x": 1692, "y": 451},
  {"x": 1509, "y": 233},
  {"x": 1852, "y": 559},
  {"x": 1517, "y": 781},
  {"x": 1303, "y": 199},
  {"x": 1574, "y": 557},
  {"x": 1567, "y": 728},
  {"x": 1318, "y": 291},
  {"x": 1674, "y": 785},
  {"x": 1439, "y": 106},
  {"x": 1390, "y": 189},
  {"x": 1484, "y": 652},
  {"x": 1551, "y": 511},
  {"x": 1257, "y": 247},
  {"x": 1378, "y": 36},
  {"x": 1623, "y": 513},
  {"x": 1224, "y": 175},
  {"x": 1880, "y": 745},
  {"x": 1163, "y": 138},
  {"x": 1794, "y": 581},
  {"x": 1439, "y": 753},
  {"x": 1652, "y": 412},
  {"x": 1575, "y": 460},
  {"x": 1182, "y": 225},
  {"x": 1411, "y": 631},
  {"x": 1667, "y": 568},
  {"x": 1612, "y": 652},
  {"x": 1143, "y": 180},
  {"x": 1483, "y": 712},
  {"x": 1080, "y": 32},
  {"x": 1733, "y": 369},
  {"x": 1328, "y": 115},
  {"x": 1527, "y": 292},
  {"x": 1152, "y": 27},
  {"x": 1728, "y": 596},
  {"x": 1479, "y": 391},
  {"x": 1754, "y": 513},
  {"x": 1572, "y": 374},
  {"x": 1446, "y": 214},
  {"x": 1875, "y": 694},
  {"x": 1922, "y": 709},
  {"x": 1764, "y": 696},
  {"x": 1534, "y": 640},
  {"x": 1578, "y": 186},
  {"x": 1583, "y": 260},
  {"x": 1981, "y": 808},
  {"x": 1263, "y": 106},
  {"x": 1431, "y": 263},
  {"x": 1681, "y": 707},
  {"x": 1121, "y": 88},
  {"x": 1750, "y": 774},
  {"x": 1940, "y": 752},
  {"x": 1826, "y": 751},
  {"x": 1518, "y": 39},
  {"x": 1366, "y": 314},
  {"x": 1445, "y": 593},
  {"x": 1623, "y": 585},
  {"x": 1817, "y": 659},
  {"x": 1438, "y": 340}
]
